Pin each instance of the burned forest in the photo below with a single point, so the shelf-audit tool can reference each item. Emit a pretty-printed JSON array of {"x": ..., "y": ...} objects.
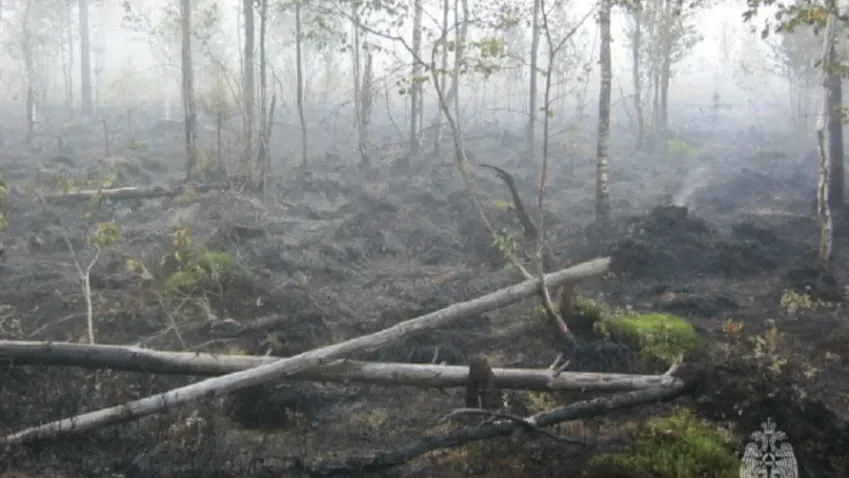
[{"x": 549, "y": 238}]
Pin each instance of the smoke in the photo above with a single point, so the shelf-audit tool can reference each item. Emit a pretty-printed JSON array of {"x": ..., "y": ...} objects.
[{"x": 693, "y": 181}]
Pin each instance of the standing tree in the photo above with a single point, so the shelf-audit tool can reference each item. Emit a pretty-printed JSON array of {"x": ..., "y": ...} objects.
[
  {"x": 826, "y": 140},
  {"x": 248, "y": 92},
  {"x": 532, "y": 82},
  {"x": 188, "y": 90},
  {"x": 443, "y": 78},
  {"x": 31, "y": 41},
  {"x": 266, "y": 113},
  {"x": 416, "y": 80},
  {"x": 363, "y": 80},
  {"x": 666, "y": 36},
  {"x": 85, "y": 61},
  {"x": 636, "y": 36},
  {"x": 792, "y": 55},
  {"x": 830, "y": 125},
  {"x": 602, "y": 194},
  {"x": 299, "y": 67}
]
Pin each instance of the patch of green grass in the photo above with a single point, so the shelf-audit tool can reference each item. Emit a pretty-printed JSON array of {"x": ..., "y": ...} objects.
[
  {"x": 657, "y": 335},
  {"x": 680, "y": 149},
  {"x": 679, "y": 446}
]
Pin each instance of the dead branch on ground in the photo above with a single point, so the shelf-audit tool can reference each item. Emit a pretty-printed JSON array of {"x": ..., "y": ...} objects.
[
  {"x": 515, "y": 418},
  {"x": 124, "y": 193},
  {"x": 134, "y": 359},
  {"x": 299, "y": 363},
  {"x": 583, "y": 409}
]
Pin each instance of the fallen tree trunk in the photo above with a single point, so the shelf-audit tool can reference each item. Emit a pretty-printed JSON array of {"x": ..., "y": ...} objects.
[
  {"x": 584, "y": 409},
  {"x": 315, "y": 358},
  {"x": 129, "y": 193},
  {"x": 134, "y": 359}
]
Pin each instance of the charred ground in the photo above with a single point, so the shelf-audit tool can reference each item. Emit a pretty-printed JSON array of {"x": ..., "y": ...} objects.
[{"x": 339, "y": 251}]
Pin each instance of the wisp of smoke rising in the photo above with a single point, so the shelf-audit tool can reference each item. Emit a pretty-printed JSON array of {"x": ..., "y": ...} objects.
[{"x": 692, "y": 182}]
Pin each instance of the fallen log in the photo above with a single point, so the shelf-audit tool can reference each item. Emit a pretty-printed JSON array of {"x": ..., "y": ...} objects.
[
  {"x": 130, "y": 192},
  {"x": 135, "y": 359},
  {"x": 314, "y": 358}
]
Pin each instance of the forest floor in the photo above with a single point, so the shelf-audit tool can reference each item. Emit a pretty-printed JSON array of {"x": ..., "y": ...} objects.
[{"x": 339, "y": 252}]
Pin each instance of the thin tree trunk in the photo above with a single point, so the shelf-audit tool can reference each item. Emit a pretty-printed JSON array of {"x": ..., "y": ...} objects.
[
  {"x": 67, "y": 60},
  {"x": 669, "y": 18},
  {"x": 602, "y": 192},
  {"x": 636, "y": 49},
  {"x": 299, "y": 55},
  {"x": 85, "y": 61},
  {"x": 443, "y": 78},
  {"x": 530, "y": 137},
  {"x": 367, "y": 98},
  {"x": 355, "y": 70},
  {"x": 29, "y": 70},
  {"x": 249, "y": 91},
  {"x": 416, "y": 85},
  {"x": 835, "y": 133},
  {"x": 239, "y": 46},
  {"x": 188, "y": 91},
  {"x": 265, "y": 120},
  {"x": 362, "y": 87},
  {"x": 461, "y": 26},
  {"x": 824, "y": 127}
]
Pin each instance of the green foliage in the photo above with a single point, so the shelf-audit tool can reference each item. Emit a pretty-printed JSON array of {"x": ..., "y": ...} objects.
[
  {"x": 207, "y": 272},
  {"x": 505, "y": 244},
  {"x": 678, "y": 446},
  {"x": 679, "y": 149},
  {"x": 788, "y": 16},
  {"x": 503, "y": 206},
  {"x": 190, "y": 270},
  {"x": 664, "y": 23},
  {"x": 793, "y": 302},
  {"x": 655, "y": 335},
  {"x": 105, "y": 233},
  {"x": 794, "y": 51}
]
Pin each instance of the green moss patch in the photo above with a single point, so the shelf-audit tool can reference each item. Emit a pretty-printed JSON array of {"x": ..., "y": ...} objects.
[
  {"x": 657, "y": 338},
  {"x": 657, "y": 335},
  {"x": 679, "y": 446}
]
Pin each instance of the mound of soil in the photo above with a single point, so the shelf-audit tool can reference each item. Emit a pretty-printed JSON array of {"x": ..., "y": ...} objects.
[{"x": 670, "y": 244}]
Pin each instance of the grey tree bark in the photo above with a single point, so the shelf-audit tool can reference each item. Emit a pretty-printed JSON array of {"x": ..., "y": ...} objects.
[
  {"x": 602, "y": 198},
  {"x": 188, "y": 90}
]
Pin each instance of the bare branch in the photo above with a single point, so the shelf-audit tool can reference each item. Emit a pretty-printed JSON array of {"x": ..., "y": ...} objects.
[
  {"x": 515, "y": 418},
  {"x": 584, "y": 409}
]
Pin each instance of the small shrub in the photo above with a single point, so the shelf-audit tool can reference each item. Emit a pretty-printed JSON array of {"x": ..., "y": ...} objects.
[
  {"x": 793, "y": 302},
  {"x": 208, "y": 272}
]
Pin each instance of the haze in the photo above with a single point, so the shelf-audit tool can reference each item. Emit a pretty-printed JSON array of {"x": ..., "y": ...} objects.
[{"x": 135, "y": 63}]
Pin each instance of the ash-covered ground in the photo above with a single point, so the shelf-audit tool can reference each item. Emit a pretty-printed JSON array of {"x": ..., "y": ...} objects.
[{"x": 340, "y": 250}]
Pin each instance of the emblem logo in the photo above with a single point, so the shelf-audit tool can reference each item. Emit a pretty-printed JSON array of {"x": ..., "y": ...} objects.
[{"x": 768, "y": 455}]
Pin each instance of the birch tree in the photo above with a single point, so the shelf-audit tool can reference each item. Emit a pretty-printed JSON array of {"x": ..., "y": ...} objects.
[
  {"x": 248, "y": 93},
  {"x": 188, "y": 90},
  {"x": 85, "y": 61},
  {"x": 602, "y": 193}
]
